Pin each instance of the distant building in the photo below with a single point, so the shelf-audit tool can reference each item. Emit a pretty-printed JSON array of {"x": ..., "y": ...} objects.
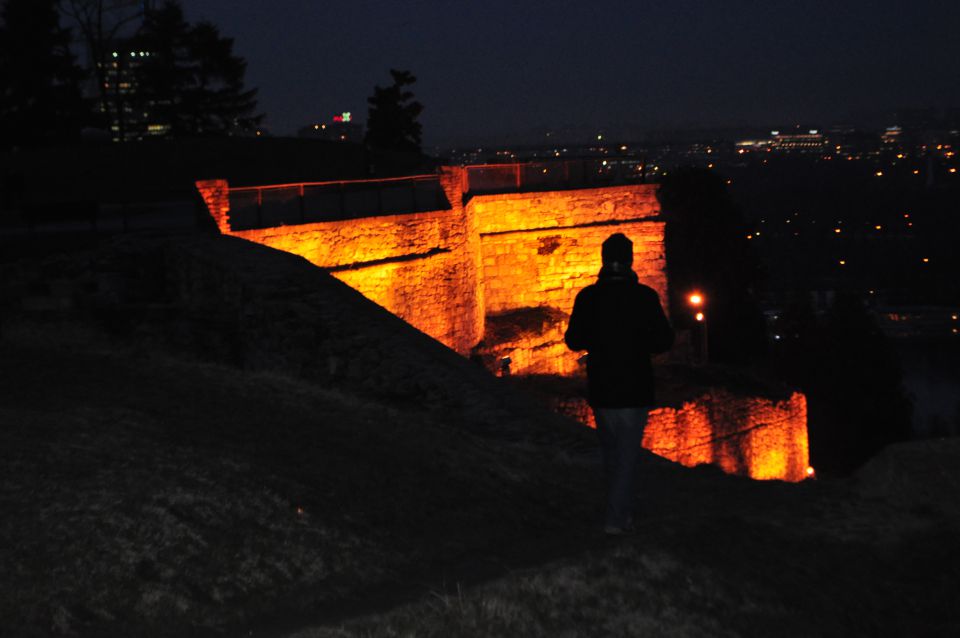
[
  {"x": 796, "y": 141},
  {"x": 893, "y": 135},
  {"x": 339, "y": 128},
  {"x": 127, "y": 115},
  {"x": 810, "y": 141}
]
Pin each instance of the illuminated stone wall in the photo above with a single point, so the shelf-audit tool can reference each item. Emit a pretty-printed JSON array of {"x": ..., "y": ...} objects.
[
  {"x": 443, "y": 271},
  {"x": 422, "y": 267},
  {"x": 540, "y": 249},
  {"x": 749, "y": 436},
  {"x": 509, "y": 255}
]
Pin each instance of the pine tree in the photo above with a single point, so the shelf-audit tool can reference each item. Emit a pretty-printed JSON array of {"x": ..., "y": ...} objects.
[
  {"x": 191, "y": 81},
  {"x": 40, "y": 97},
  {"x": 392, "y": 117}
]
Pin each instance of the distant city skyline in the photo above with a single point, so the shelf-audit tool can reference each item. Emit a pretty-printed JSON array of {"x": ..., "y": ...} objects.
[{"x": 498, "y": 70}]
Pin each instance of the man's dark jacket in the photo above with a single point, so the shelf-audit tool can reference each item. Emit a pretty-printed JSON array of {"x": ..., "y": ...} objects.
[{"x": 620, "y": 323}]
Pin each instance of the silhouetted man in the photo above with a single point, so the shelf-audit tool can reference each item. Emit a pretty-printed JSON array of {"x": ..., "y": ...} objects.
[{"x": 620, "y": 323}]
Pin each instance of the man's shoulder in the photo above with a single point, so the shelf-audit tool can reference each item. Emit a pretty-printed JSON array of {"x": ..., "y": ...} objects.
[
  {"x": 647, "y": 291},
  {"x": 587, "y": 291}
]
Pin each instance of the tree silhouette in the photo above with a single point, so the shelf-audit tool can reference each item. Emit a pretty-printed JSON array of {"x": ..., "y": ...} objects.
[
  {"x": 708, "y": 251},
  {"x": 191, "y": 81},
  {"x": 40, "y": 97},
  {"x": 100, "y": 23},
  {"x": 392, "y": 116},
  {"x": 852, "y": 379}
]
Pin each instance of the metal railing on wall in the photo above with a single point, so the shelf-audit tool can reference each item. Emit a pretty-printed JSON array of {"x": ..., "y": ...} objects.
[
  {"x": 553, "y": 175},
  {"x": 309, "y": 202},
  {"x": 304, "y": 203}
]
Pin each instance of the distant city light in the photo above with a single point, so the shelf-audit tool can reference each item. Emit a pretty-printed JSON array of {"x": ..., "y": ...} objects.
[
  {"x": 878, "y": 227},
  {"x": 843, "y": 262},
  {"x": 837, "y": 230},
  {"x": 879, "y": 173},
  {"x": 699, "y": 316},
  {"x": 926, "y": 260}
]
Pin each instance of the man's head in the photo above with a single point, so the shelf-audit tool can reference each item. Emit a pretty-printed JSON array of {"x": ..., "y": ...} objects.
[{"x": 617, "y": 249}]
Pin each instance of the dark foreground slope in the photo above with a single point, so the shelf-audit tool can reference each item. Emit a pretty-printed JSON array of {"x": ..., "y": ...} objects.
[{"x": 201, "y": 436}]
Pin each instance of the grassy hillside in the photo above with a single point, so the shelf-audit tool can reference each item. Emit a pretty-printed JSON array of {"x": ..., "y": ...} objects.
[{"x": 199, "y": 436}]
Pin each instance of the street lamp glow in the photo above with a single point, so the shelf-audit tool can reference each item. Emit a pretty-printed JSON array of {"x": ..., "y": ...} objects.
[
  {"x": 699, "y": 316},
  {"x": 695, "y": 299}
]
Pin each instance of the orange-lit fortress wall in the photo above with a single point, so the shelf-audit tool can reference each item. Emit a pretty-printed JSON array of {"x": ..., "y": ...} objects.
[
  {"x": 749, "y": 436},
  {"x": 422, "y": 267},
  {"x": 450, "y": 271},
  {"x": 444, "y": 270},
  {"x": 541, "y": 249}
]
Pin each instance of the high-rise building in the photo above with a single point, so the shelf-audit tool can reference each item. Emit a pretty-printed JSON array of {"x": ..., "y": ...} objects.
[{"x": 127, "y": 113}]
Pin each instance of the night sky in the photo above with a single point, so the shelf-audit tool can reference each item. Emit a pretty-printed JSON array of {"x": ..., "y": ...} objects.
[{"x": 502, "y": 70}]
